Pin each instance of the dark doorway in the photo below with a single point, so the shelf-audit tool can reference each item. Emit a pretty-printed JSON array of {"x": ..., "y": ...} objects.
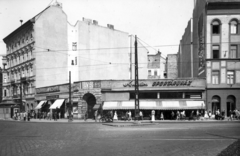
[
  {"x": 231, "y": 104},
  {"x": 216, "y": 104},
  {"x": 91, "y": 101}
]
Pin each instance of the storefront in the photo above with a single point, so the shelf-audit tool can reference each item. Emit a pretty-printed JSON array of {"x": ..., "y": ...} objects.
[
  {"x": 225, "y": 100},
  {"x": 54, "y": 99},
  {"x": 163, "y": 96}
]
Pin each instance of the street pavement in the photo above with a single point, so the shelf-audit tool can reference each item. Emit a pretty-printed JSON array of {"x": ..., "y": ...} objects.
[{"x": 63, "y": 138}]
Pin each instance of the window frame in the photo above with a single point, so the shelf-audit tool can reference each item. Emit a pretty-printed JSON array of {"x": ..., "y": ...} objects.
[
  {"x": 213, "y": 25},
  {"x": 237, "y": 26},
  {"x": 218, "y": 76},
  {"x": 230, "y": 51},
  {"x": 229, "y": 78},
  {"x": 219, "y": 56}
]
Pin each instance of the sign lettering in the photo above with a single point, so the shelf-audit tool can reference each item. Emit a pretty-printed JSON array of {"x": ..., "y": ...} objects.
[
  {"x": 172, "y": 83},
  {"x": 47, "y": 89},
  {"x": 131, "y": 84}
]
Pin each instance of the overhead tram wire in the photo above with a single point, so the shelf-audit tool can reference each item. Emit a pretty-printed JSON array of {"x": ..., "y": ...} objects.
[{"x": 93, "y": 49}]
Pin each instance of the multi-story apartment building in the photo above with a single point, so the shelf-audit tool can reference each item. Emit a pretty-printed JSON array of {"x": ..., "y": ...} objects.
[
  {"x": 214, "y": 42},
  {"x": 156, "y": 66},
  {"x": 43, "y": 50}
]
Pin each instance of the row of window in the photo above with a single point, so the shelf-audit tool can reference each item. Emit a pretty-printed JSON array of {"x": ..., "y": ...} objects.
[
  {"x": 24, "y": 39},
  {"x": 150, "y": 73},
  {"x": 17, "y": 74},
  {"x": 19, "y": 59},
  {"x": 233, "y": 26},
  {"x": 231, "y": 54},
  {"x": 168, "y": 95},
  {"x": 26, "y": 89},
  {"x": 216, "y": 77}
]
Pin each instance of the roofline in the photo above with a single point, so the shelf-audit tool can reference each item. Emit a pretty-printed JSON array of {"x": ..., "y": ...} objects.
[{"x": 30, "y": 21}]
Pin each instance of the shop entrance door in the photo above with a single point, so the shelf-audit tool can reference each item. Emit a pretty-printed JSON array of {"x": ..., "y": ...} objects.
[
  {"x": 91, "y": 101},
  {"x": 230, "y": 104}
]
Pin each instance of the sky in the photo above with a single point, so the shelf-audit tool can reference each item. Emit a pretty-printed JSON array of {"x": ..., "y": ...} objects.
[{"x": 158, "y": 23}]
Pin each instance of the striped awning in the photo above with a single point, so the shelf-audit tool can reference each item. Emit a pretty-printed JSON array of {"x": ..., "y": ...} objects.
[
  {"x": 57, "y": 104},
  {"x": 156, "y": 105}
]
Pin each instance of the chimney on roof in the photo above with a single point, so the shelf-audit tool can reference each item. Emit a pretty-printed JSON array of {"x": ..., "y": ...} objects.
[
  {"x": 21, "y": 21},
  {"x": 110, "y": 26},
  {"x": 95, "y": 22},
  {"x": 87, "y": 20}
]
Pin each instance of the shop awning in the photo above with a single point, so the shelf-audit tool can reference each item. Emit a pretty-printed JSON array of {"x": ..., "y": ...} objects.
[
  {"x": 57, "y": 104},
  {"x": 39, "y": 106},
  {"x": 156, "y": 105}
]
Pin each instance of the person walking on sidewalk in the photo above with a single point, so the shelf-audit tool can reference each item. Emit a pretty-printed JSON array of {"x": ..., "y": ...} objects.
[
  {"x": 86, "y": 116},
  {"x": 95, "y": 115}
]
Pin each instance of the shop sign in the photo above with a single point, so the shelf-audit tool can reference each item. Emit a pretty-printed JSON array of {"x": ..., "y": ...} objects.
[
  {"x": 47, "y": 89},
  {"x": 172, "y": 83},
  {"x": 52, "y": 97},
  {"x": 132, "y": 84}
]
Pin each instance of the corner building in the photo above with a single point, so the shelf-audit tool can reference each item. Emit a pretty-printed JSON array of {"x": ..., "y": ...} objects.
[{"x": 215, "y": 52}]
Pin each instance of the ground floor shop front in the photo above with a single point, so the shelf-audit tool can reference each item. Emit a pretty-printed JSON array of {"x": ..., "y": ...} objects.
[
  {"x": 225, "y": 100},
  {"x": 164, "y": 97}
]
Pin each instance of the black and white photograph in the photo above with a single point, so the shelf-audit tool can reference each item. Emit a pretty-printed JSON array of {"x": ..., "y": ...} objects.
[{"x": 120, "y": 78}]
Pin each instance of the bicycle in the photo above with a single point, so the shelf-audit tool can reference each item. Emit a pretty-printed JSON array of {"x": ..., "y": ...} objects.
[{"x": 105, "y": 118}]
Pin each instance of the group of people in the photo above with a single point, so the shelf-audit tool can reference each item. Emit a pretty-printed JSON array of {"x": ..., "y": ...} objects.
[{"x": 25, "y": 116}]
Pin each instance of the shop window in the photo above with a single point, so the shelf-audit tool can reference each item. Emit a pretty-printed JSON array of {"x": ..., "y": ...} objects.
[
  {"x": 233, "y": 27},
  {"x": 215, "y": 52},
  {"x": 233, "y": 51},
  {"x": 171, "y": 95},
  {"x": 146, "y": 95},
  {"x": 197, "y": 95},
  {"x": 230, "y": 77},
  {"x": 215, "y": 77},
  {"x": 215, "y": 28}
]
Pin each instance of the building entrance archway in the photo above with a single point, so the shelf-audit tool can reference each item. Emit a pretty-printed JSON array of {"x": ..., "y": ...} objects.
[
  {"x": 216, "y": 104},
  {"x": 231, "y": 104},
  {"x": 90, "y": 102}
]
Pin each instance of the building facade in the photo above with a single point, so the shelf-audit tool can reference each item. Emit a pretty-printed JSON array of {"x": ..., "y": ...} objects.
[
  {"x": 156, "y": 66},
  {"x": 216, "y": 52},
  {"x": 45, "y": 49}
]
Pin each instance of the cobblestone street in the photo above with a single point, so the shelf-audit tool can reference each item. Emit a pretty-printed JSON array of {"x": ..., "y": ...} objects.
[{"x": 31, "y": 138}]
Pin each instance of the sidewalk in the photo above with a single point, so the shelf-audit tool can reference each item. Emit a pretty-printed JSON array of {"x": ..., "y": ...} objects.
[{"x": 121, "y": 121}]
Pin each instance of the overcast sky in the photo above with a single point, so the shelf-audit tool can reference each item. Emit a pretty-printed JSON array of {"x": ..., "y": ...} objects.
[{"x": 159, "y": 23}]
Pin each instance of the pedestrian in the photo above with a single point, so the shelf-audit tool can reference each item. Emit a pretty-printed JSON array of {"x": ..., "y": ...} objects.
[
  {"x": 178, "y": 115},
  {"x": 29, "y": 116},
  {"x": 59, "y": 115},
  {"x": 130, "y": 115},
  {"x": 24, "y": 116},
  {"x": 95, "y": 115},
  {"x": 161, "y": 116},
  {"x": 172, "y": 115},
  {"x": 86, "y": 116},
  {"x": 141, "y": 115},
  {"x": 55, "y": 115},
  {"x": 153, "y": 116},
  {"x": 115, "y": 116},
  {"x": 210, "y": 114}
]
